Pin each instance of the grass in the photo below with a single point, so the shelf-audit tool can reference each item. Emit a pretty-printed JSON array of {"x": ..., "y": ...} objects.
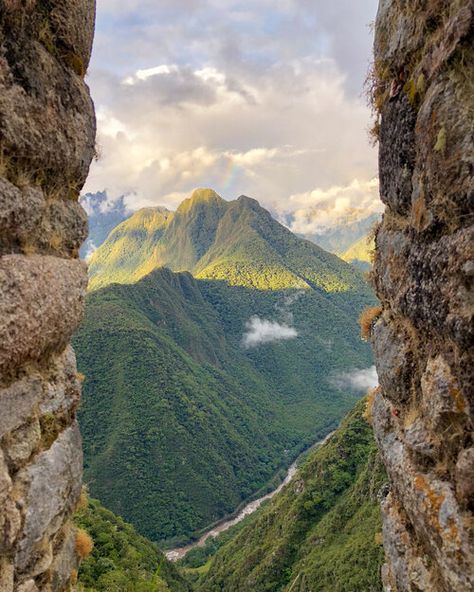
[
  {"x": 367, "y": 320},
  {"x": 84, "y": 544}
]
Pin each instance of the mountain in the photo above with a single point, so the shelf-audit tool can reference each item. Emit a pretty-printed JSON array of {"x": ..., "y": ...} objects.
[
  {"x": 103, "y": 215},
  {"x": 201, "y": 387},
  {"x": 238, "y": 242},
  {"x": 322, "y": 532},
  {"x": 346, "y": 233},
  {"x": 121, "y": 559},
  {"x": 360, "y": 253}
]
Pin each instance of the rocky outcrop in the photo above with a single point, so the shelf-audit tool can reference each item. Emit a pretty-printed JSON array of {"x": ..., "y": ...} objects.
[
  {"x": 424, "y": 271},
  {"x": 47, "y": 131}
]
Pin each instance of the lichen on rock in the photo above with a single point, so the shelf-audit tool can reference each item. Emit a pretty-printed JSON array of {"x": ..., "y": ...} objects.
[
  {"x": 47, "y": 134},
  {"x": 423, "y": 420}
]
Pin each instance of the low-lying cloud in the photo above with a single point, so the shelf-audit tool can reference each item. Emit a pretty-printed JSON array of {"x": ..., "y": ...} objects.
[
  {"x": 357, "y": 379},
  {"x": 261, "y": 331}
]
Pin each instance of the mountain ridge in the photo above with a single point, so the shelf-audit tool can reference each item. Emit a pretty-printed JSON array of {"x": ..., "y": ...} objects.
[
  {"x": 177, "y": 395},
  {"x": 237, "y": 241}
]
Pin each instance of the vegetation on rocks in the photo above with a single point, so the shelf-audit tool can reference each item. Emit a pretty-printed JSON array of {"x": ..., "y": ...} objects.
[{"x": 122, "y": 560}]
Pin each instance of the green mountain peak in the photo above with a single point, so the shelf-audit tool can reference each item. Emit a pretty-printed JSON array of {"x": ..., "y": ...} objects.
[
  {"x": 237, "y": 242},
  {"x": 200, "y": 196}
]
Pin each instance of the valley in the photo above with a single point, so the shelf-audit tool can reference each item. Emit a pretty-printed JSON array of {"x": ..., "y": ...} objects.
[
  {"x": 247, "y": 510},
  {"x": 202, "y": 383}
]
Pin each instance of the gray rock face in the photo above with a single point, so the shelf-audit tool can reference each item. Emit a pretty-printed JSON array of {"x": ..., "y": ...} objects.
[
  {"x": 53, "y": 488},
  {"x": 17, "y": 402},
  {"x": 47, "y": 132},
  {"x": 423, "y": 416}
]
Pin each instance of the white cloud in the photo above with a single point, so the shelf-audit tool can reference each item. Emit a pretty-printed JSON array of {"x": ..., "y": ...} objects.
[
  {"x": 264, "y": 331},
  {"x": 90, "y": 249},
  {"x": 149, "y": 72},
  {"x": 359, "y": 380},
  {"x": 255, "y": 97},
  {"x": 280, "y": 135},
  {"x": 320, "y": 209}
]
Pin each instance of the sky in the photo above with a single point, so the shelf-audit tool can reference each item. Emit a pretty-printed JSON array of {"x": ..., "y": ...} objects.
[{"x": 256, "y": 97}]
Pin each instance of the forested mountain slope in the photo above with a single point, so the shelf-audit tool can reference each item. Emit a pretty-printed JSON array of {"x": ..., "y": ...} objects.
[
  {"x": 198, "y": 390},
  {"x": 360, "y": 253},
  {"x": 321, "y": 533},
  {"x": 236, "y": 241},
  {"x": 121, "y": 559}
]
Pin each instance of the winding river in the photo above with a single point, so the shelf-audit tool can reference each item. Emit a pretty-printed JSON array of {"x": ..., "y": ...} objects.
[{"x": 180, "y": 552}]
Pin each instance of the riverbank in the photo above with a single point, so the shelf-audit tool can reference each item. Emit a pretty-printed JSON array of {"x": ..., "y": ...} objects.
[{"x": 180, "y": 552}]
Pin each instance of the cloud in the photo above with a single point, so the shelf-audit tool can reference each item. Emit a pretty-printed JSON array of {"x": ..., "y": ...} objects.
[
  {"x": 254, "y": 97},
  {"x": 319, "y": 209},
  {"x": 168, "y": 133},
  {"x": 357, "y": 379},
  {"x": 90, "y": 249},
  {"x": 264, "y": 331}
]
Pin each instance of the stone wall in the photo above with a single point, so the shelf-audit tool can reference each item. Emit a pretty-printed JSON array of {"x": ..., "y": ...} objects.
[
  {"x": 423, "y": 90},
  {"x": 47, "y": 131}
]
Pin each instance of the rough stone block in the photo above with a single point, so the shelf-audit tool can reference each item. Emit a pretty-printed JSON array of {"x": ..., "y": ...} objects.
[
  {"x": 394, "y": 362},
  {"x": 17, "y": 401},
  {"x": 42, "y": 303},
  {"x": 6, "y": 575},
  {"x": 53, "y": 488},
  {"x": 20, "y": 213},
  {"x": 465, "y": 477},
  {"x": 21, "y": 443},
  {"x": 65, "y": 562},
  {"x": 397, "y": 153},
  {"x": 62, "y": 388},
  {"x": 73, "y": 24}
]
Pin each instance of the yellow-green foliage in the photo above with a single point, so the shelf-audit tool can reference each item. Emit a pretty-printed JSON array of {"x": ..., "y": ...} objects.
[
  {"x": 237, "y": 242},
  {"x": 84, "y": 543},
  {"x": 361, "y": 250},
  {"x": 120, "y": 560},
  {"x": 367, "y": 320}
]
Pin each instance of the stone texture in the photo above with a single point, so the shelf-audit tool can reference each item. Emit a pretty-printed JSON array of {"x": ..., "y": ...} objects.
[
  {"x": 21, "y": 443},
  {"x": 53, "y": 488},
  {"x": 62, "y": 387},
  {"x": 423, "y": 275},
  {"x": 465, "y": 477},
  {"x": 65, "y": 562},
  {"x": 47, "y": 116},
  {"x": 17, "y": 402},
  {"x": 6, "y": 575},
  {"x": 47, "y": 134},
  {"x": 28, "y": 586},
  {"x": 42, "y": 303},
  {"x": 30, "y": 221}
]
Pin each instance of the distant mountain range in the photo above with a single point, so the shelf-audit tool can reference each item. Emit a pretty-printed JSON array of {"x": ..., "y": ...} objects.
[
  {"x": 339, "y": 238},
  {"x": 360, "y": 253},
  {"x": 204, "y": 379},
  {"x": 347, "y": 238}
]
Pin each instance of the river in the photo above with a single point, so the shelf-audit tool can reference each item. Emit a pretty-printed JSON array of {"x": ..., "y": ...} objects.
[{"x": 180, "y": 552}]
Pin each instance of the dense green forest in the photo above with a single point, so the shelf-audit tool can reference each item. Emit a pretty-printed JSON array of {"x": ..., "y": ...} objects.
[
  {"x": 181, "y": 423},
  {"x": 121, "y": 559},
  {"x": 321, "y": 533}
]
